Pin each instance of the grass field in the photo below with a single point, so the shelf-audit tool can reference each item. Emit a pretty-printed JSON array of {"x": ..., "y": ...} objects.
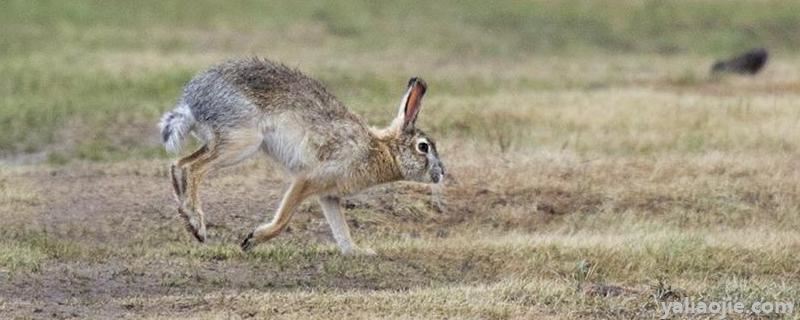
[{"x": 597, "y": 170}]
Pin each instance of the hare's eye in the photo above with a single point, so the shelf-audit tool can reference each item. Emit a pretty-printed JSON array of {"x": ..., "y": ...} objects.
[{"x": 423, "y": 147}]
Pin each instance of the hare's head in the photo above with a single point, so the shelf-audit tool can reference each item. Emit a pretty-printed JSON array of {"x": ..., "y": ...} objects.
[{"x": 414, "y": 151}]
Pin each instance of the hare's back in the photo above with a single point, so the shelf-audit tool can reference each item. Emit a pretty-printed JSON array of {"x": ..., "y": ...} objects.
[
  {"x": 274, "y": 87},
  {"x": 247, "y": 87}
]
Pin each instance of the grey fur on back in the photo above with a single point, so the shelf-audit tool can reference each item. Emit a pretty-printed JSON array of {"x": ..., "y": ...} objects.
[
  {"x": 269, "y": 87},
  {"x": 238, "y": 91},
  {"x": 285, "y": 107}
]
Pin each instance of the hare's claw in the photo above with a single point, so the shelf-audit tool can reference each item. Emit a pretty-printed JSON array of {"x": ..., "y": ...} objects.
[
  {"x": 197, "y": 230},
  {"x": 248, "y": 243}
]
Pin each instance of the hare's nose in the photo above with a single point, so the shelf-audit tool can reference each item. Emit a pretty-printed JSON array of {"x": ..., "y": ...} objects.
[{"x": 437, "y": 174}]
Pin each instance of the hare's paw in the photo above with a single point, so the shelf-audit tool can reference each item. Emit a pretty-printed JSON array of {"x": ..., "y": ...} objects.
[
  {"x": 199, "y": 233},
  {"x": 194, "y": 226},
  {"x": 248, "y": 243}
]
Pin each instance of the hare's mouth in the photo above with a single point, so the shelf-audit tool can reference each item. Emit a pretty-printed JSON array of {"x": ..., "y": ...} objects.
[{"x": 437, "y": 177}]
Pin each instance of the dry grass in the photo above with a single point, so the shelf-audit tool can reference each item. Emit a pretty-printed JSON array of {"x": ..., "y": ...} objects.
[
  {"x": 573, "y": 242},
  {"x": 596, "y": 170}
]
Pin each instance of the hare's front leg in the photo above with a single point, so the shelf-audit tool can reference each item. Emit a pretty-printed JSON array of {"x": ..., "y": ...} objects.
[
  {"x": 298, "y": 191},
  {"x": 341, "y": 233}
]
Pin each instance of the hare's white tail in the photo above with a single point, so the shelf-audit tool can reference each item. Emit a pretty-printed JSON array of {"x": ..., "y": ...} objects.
[{"x": 175, "y": 125}]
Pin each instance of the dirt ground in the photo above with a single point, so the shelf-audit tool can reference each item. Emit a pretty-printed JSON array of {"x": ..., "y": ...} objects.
[
  {"x": 105, "y": 241},
  {"x": 105, "y": 229}
]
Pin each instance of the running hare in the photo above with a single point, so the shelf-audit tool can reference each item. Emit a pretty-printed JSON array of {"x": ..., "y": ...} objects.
[{"x": 240, "y": 107}]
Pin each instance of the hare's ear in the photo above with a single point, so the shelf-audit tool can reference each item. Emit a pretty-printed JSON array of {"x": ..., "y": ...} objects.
[{"x": 410, "y": 105}]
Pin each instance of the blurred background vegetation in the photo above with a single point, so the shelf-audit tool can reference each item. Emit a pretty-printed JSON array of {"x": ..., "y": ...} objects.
[{"x": 88, "y": 79}]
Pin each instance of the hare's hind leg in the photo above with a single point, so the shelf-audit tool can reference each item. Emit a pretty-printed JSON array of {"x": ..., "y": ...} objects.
[
  {"x": 181, "y": 174},
  {"x": 226, "y": 151},
  {"x": 332, "y": 210},
  {"x": 177, "y": 172},
  {"x": 186, "y": 176},
  {"x": 298, "y": 191}
]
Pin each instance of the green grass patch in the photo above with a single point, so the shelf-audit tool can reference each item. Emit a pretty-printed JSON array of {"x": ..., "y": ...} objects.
[
  {"x": 29, "y": 251},
  {"x": 18, "y": 256}
]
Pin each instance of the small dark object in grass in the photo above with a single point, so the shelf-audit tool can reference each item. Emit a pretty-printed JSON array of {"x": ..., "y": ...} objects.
[{"x": 748, "y": 63}]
